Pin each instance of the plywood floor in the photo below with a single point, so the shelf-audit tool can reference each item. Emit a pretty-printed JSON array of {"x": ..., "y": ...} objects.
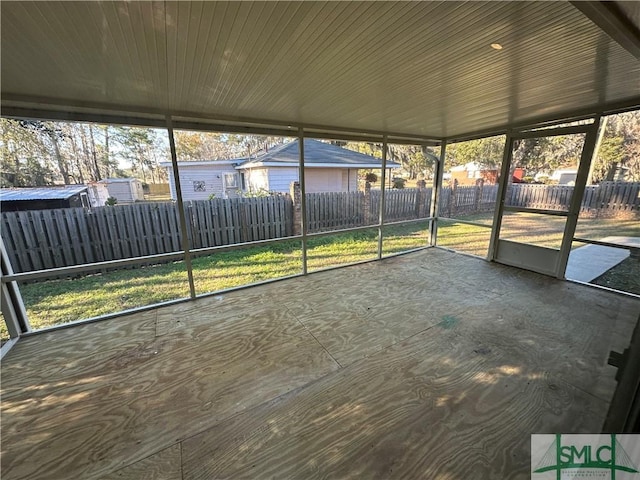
[{"x": 429, "y": 365}]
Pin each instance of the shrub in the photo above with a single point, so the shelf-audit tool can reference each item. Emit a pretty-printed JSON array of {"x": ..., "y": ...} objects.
[
  {"x": 371, "y": 177},
  {"x": 399, "y": 182},
  {"x": 257, "y": 193},
  {"x": 111, "y": 201}
]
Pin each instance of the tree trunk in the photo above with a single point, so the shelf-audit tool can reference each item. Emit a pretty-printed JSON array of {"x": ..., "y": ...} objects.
[
  {"x": 94, "y": 155},
  {"x": 76, "y": 156},
  {"x": 107, "y": 163},
  {"x": 61, "y": 163}
]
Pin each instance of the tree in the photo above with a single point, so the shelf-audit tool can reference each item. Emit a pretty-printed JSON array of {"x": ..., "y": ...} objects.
[
  {"x": 25, "y": 155},
  {"x": 415, "y": 160},
  {"x": 610, "y": 155},
  {"x": 487, "y": 152},
  {"x": 627, "y": 126},
  {"x": 139, "y": 148}
]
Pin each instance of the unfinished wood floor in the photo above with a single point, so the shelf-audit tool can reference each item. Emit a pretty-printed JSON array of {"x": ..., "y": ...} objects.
[{"x": 429, "y": 365}]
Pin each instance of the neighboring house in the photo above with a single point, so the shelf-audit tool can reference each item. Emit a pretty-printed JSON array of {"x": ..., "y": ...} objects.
[
  {"x": 328, "y": 168},
  {"x": 125, "y": 190},
  {"x": 200, "y": 180},
  {"x": 44, "y": 198},
  {"x": 565, "y": 176}
]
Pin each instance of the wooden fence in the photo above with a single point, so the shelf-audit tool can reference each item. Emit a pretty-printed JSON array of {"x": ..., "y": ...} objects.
[
  {"x": 43, "y": 239},
  {"x": 39, "y": 239},
  {"x": 335, "y": 210},
  {"x": 609, "y": 199},
  {"x": 612, "y": 199},
  {"x": 467, "y": 200},
  {"x": 338, "y": 210}
]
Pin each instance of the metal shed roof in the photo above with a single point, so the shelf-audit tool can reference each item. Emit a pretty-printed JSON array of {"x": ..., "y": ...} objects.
[
  {"x": 40, "y": 193},
  {"x": 416, "y": 69}
]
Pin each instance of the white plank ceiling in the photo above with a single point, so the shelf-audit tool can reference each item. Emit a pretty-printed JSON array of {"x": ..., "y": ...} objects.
[{"x": 415, "y": 68}]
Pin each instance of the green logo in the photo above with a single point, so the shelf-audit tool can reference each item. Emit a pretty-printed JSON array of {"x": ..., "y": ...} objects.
[{"x": 585, "y": 456}]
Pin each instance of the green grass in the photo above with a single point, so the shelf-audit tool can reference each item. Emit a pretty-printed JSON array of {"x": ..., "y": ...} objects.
[
  {"x": 624, "y": 276},
  {"x": 59, "y": 301}
]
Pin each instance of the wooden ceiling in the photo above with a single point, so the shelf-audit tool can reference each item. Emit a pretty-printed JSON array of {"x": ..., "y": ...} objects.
[{"x": 422, "y": 69}]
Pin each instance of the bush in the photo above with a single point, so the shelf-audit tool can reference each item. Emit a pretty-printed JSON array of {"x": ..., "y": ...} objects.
[
  {"x": 111, "y": 201},
  {"x": 399, "y": 182},
  {"x": 371, "y": 177},
  {"x": 257, "y": 193}
]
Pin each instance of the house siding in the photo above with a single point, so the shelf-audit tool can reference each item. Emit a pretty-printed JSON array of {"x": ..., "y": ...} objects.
[
  {"x": 350, "y": 180},
  {"x": 211, "y": 175},
  {"x": 323, "y": 180},
  {"x": 280, "y": 178},
  {"x": 126, "y": 191}
]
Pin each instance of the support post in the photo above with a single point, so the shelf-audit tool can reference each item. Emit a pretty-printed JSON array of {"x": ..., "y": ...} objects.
[
  {"x": 382, "y": 194},
  {"x": 603, "y": 127},
  {"x": 502, "y": 190},
  {"x": 13, "y": 311},
  {"x": 420, "y": 198},
  {"x": 183, "y": 220},
  {"x": 477, "y": 195},
  {"x": 453, "y": 203},
  {"x": 294, "y": 191},
  {"x": 303, "y": 200},
  {"x": 435, "y": 195},
  {"x": 576, "y": 199},
  {"x": 366, "y": 207}
]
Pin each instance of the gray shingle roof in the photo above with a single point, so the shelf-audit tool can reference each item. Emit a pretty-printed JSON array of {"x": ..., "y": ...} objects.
[{"x": 316, "y": 153}]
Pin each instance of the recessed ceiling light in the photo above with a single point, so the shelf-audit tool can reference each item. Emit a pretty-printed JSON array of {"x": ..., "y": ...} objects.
[{"x": 496, "y": 46}]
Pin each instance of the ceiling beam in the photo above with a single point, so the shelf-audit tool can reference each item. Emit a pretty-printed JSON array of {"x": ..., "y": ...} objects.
[{"x": 610, "y": 19}]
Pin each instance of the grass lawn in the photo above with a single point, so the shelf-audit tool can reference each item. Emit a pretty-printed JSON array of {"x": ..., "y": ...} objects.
[
  {"x": 624, "y": 276},
  {"x": 59, "y": 301}
]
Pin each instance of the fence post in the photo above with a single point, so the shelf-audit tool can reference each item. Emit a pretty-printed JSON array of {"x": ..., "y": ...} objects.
[
  {"x": 420, "y": 198},
  {"x": 366, "y": 204},
  {"x": 453, "y": 201},
  {"x": 477, "y": 198},
  {"x": 296, "y": 196}
]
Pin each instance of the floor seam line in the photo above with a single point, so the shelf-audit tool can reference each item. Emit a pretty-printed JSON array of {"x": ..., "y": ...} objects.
[
  {"x": 580, "y": 389},
  {"x": 314, "y": 337},
  {"x": 293, "y": 392}
]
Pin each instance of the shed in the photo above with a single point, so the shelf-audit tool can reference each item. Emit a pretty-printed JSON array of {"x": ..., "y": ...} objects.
[
  {"x": 328, "y": 168},
  {"x": 45, "y": 198},
  {"x": 125, "y": 190}
]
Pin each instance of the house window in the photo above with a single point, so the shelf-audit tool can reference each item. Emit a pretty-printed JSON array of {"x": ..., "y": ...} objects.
[
  {"x": 470, "y": 173},
  {"x": 199, "y": 186},
  {"x": 230, "y": 180}
]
